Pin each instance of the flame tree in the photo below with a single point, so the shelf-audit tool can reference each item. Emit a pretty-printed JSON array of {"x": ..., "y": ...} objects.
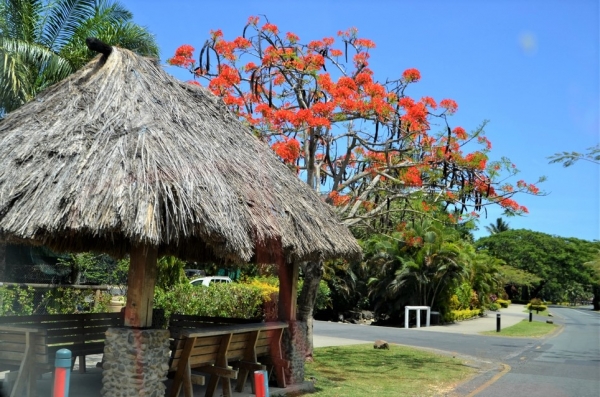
[{"x": 378, "y": 155}]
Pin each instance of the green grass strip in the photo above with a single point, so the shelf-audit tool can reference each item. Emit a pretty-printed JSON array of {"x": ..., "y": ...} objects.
[
  {"x": 360, "y": 370},
  {"x": 525, "y": 329}
]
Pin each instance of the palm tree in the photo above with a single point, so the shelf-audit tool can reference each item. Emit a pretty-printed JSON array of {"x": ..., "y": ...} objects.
[
  {"x": 42, "y": 42},
  {"x": 484, "y": 273},
  {"x": 420, "y": 272},
  {"x": 498, "y": 227},
  {"x": 435, "y": 267}
]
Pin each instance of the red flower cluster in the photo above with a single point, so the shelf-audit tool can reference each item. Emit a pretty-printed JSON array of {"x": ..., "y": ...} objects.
[
  {"x": 509, "y": 203},
  {"x": 411, "y": 75},
  {"x": 288, "y": 149},
  {"x": 292, "y": 38},
  {"x": 429, "y": 102},
  {"x": 222, "y": 84},
  {"x": 477, "y": 160},
  {"x": 412, "y": 177},
  {"x": 269, "y": 27},
  {"x": 460, "y": 133},
  {"x": 450, "y": 105},
  {"x": 339, "y": 199},
  {"x": 183, "y": 56}
]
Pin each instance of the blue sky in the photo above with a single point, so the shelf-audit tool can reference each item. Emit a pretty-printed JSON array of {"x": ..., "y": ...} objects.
[{"x": 530, "y": 67}]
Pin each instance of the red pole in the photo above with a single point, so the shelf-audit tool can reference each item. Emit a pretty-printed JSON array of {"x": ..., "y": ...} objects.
[
  {"x": 62, "y": 373},
  {"x": 60, "y": 378},
  {"x": 261, "y": 383}
]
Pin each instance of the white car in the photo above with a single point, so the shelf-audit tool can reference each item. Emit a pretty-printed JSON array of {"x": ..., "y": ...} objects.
[{"x": 206, "y": 281}]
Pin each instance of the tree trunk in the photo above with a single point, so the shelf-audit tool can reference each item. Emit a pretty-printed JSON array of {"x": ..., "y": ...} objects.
[
  {"x": 596, "y": 300},
  {"x": 3, "y": 275},
  {"x": 313, "y": 271}
]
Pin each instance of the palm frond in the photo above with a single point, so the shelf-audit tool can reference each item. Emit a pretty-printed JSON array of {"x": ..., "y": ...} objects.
[
  {"x": 20, "y": 19},
  {"x": 64, "y": 19},
  {"x": 27, "y": 68}
]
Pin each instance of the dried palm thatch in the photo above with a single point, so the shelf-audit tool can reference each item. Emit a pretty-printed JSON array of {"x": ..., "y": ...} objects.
[{"x": 121, "y": 154}]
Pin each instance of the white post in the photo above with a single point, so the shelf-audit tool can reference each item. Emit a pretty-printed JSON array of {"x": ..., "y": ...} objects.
[
  {"x": 418, "y": 318},
  {"x": 406, "y": 317},
  {"x": 428, "y": 314}
]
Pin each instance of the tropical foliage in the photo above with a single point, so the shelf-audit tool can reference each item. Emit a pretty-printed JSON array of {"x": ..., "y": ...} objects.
[
  {"x": 556, "y": 262},
  {"x": 42, "y": 42},
  {"x": 428, "y": 263},
  {"x": 498, "y": 227},
  {"x": 378, "y": 155}
]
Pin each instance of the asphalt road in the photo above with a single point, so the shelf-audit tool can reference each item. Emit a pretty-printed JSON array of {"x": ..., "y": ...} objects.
[{"x": 567, "y": 364}]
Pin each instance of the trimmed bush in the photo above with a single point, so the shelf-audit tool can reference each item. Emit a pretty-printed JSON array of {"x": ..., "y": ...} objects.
[
  {"x": 460, "y": 315},
  {"x": 232, "y": 300},
  {"x": 503, "y": 303},
  {"x": 537, "y": 308},
  {"x": 494, "y": 307}
]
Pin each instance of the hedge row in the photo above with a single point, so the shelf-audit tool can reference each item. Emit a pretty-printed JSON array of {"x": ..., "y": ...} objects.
[
  {"x": 219, "y": 300},
  {"x": 460, "y": 315}
]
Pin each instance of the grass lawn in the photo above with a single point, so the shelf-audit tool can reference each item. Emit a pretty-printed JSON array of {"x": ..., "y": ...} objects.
[
  {"x": 525, "y": 329},
  {"x": 360, "y": 370}
]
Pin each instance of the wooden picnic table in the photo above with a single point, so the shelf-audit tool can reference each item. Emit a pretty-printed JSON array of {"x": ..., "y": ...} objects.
[{"x": 211, "y": 350}]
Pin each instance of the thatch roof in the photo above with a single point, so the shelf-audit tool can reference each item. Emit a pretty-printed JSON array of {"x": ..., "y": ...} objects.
[{"x": 123, "y": 154}]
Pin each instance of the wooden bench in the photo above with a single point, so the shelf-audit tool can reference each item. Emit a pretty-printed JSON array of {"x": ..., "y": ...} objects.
[
  {"x": 225, "y": 352},
  {"x": 28, "y": 344},
  {"x": 83, "y": 334}
]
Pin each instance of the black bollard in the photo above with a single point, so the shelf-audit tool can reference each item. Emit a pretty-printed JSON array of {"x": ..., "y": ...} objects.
[
  {"x": 530, "y": 315},
  {"x": 498, "y": 322}
]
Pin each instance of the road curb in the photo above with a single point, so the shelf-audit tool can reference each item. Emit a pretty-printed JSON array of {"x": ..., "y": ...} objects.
[{"x": 505, "y": 369}]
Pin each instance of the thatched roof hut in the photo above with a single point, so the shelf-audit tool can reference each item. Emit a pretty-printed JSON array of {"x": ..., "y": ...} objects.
[{"x": 121, "y": 154}]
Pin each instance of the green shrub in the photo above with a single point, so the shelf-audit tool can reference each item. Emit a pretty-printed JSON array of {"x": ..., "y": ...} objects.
[
  {"x": 459, "y": 315},
  {"x": 323, "y": 300},
  {"x": 454, "y": 303},
  {"x": 75, "y": 300},
  {"x": 536, "y": 301},
  {"x": 16, "y": 301},
  {"x": 537, "y": 308},
  {"x": 233, "y": 300},
  {"x": 503, "y": 302},
  {"x": 494, "y": 306}
]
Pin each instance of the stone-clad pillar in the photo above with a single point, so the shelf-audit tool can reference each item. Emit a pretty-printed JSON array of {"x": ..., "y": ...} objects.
[
  {"x": 293, "y": 345},
  {"x": 136, "y": 362}
]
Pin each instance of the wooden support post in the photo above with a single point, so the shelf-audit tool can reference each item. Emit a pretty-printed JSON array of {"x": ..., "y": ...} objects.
[
  {"x": 140, "y": 286},
  {"x": 288, "y": 291}
]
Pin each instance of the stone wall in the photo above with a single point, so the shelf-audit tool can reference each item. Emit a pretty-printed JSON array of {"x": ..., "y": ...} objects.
[{"x": 135, "y": 362}]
